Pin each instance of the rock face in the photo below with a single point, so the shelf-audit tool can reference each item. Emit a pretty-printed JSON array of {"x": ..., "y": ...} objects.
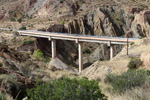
[
  {"x": 13, "y": 8},
  {"x": 141, "y": 24},
  {"x": 134, "y": 9},
  {"x": 96, "y": 23},
  {"x": 11, "y": 54},
  {"x": 55, "y": 9}
]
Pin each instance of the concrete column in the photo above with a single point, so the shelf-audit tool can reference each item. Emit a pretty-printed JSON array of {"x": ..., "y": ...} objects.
[
  {"x": 80, "y": 56},
  {"x": 53, "y": 48},
  {"x": 111, "y": 51}
]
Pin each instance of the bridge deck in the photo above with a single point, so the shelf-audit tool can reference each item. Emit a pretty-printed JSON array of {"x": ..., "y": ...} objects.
[{"x": 76, "y": 37}]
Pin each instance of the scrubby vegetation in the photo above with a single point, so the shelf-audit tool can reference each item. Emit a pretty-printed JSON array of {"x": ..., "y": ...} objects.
[
  {"x": 67, "y": 89},
  {"x": 87, "y": 51},
  {"x": 23, "y": 28},
  {"x": 134, "y": 63},
  {"x": 132, "y": 43},
  {"x": 20, "y": 20},
  {"x": 28, "y": 42},
  {"x": 127, "y": 80},
  {"x": 38, "y": 55},
  {"x": 12, "y": 19},
  {"x": 1, "y": 64}
]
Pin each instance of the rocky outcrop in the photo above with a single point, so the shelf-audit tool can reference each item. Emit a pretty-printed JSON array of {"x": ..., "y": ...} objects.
[
  {"x": 97, "y": 23},
  {"x": 134, "y": 9},
  {"x": 14, "y": 83},
  {"x": 14, "y": 8},
  {"x": 141, "y": 24},
  {"x": 8, "y": 53},
  {"x": 55, "y": 9}
]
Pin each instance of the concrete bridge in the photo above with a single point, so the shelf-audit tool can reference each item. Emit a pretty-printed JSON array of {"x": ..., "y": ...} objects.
[{"x": 79, "y": 39}]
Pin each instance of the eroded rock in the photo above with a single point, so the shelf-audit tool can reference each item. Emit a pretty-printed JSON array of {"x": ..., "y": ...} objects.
[{"x": 141, "y": 24}]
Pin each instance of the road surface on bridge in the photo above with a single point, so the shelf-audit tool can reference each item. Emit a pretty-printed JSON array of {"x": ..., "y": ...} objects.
[{"x": 76, "y": 37}]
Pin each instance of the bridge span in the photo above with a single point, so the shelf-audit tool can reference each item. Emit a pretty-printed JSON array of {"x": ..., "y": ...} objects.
[{"x": 79, "y": 39}]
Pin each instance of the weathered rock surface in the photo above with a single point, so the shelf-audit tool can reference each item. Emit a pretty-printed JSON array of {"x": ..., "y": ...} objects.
[
  {"x": 58, "y": 64},
  {"x": 141, "y": 24}
]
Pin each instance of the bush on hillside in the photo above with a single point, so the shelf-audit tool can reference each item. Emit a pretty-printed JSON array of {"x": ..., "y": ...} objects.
[
  {"x": 134, "y": 63},
  {"x": 28, "y": 42},
  {"x": 87, "y": 51},
  {"x": 38, "y": 54},
  {"x": 1, "y": 64},
  {"x": 67, "y": 89},
  {"x": 20, "y": 20},
  {"x": 12, "y": 19},
  {"x": 127, "y": 80},
  {"x": 22, "y": 28}
]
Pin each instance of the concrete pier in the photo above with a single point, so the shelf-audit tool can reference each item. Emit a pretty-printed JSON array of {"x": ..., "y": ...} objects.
[
  {"x": 80, "y": 44},
  {"x": 53, "y": 48},
  {"x": 111, "y": 51}
]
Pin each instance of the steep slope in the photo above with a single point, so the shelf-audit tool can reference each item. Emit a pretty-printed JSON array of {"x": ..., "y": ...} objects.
[{"x": 37, "y": 6}]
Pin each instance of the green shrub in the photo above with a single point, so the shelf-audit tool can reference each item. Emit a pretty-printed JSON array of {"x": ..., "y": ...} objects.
[
  {"x": 90, "y": 46},
  {"x": 38, "y": 54},
  {"x": 86, "y": 50},
  {"x": 127, "y": 80},
  {"x": 12, "y": 19},
  {"x": 63, "y": 22},
  {"x": 28, "y": 42},
  {"x": 134, "y": 63},
  {"x": 132, "y": 43},
  {"x": 22, "y": 28},
  {"x": 67, "y": 89},
  {"x": 1, "y": 64},
  {"x": 48, "y": 59},
  {"x": 20, "y": 20}
]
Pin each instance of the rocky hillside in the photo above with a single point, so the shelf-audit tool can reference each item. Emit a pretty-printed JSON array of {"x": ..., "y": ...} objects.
[
  {"x": 19, "y": 59},
  {"x": 92, "y": 17}
]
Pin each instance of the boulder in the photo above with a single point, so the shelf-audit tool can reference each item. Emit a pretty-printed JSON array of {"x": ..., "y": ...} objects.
[{"x": 56, "y": 64}]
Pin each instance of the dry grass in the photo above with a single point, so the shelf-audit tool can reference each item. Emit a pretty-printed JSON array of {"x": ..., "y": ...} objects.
[{"x": 139, "y": 93}]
